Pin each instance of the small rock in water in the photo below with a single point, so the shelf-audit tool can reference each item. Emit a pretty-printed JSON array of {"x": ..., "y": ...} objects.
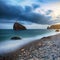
[
  {"x": 57, "y": 30},
  {"x": 15, "y": 38}
]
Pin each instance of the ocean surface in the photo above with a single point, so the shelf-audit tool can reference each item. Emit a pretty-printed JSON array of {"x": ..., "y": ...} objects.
[
  {"x": 7, "y": 45},
  {"x": 6, "y": 34}
]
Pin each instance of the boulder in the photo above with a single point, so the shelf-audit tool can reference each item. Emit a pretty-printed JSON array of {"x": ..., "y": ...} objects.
[
  {"x": 15, "y": 38},
  {"x": 18, "y": 26},
  {"x": 57, "y": 30}
]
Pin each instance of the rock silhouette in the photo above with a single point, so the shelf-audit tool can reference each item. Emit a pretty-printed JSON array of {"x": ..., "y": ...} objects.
[
  {"x": 15, "y": 38},
  {"x": 18, "y": 26},
  {"x": 57, "y": 30}
]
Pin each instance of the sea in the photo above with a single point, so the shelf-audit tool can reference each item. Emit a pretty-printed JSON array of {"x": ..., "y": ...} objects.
[
  {"x": 7, "y": 45},
  {"x": 6, "y": 34}
]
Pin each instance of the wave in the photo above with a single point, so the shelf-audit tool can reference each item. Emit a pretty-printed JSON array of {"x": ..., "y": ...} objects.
[{"x": 12, "y": 45}]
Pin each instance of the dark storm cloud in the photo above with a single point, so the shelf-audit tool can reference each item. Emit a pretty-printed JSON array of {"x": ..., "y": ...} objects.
[
  {"x": 28, "y": 8},
  {"x": 18, "y": 12},
  {"x": 35, "y": 6},
  {"x": 37, "y": 18},
  {"x": 8, "y": 11}
]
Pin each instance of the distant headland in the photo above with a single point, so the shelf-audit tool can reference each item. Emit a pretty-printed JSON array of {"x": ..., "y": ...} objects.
[{"x": 55, "y": 26}]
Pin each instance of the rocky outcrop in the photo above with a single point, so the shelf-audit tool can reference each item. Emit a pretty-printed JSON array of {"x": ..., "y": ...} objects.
[
  {"x": 57, "y": 30},
  {"x": 15, "y": 38},
  {"x": 56, "y": 26},
  {"x": 18, "y": 26}
]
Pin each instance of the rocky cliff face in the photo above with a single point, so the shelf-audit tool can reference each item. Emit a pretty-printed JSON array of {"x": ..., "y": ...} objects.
[
  {"x": 56, "y": 26},
  {"x": 18, "y": 26}
]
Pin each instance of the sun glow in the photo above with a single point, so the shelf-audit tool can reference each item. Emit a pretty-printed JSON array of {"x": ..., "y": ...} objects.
[
  {"x": 54, "y": 15},
  {"x": 54, "y": 7}
]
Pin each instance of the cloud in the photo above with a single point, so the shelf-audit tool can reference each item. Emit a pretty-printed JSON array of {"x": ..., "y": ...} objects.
[
  {"x": 49, "y": 1},
  {"x": 8, "y": 11},
  {"x": 35, "y": 6},
  {"x": 28, "y": 8},
  {"x": 49, "y": 12},
  {"x": 37, "y": 18},
  {"x": 23, "y": 13}
]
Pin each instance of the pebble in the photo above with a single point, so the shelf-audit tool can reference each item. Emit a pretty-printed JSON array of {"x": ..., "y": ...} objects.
[
  {"x": 42, "y": 50},
  {"x": 48, "y": 51}
]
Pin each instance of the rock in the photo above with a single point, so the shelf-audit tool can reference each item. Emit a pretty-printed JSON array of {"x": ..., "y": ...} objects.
[
  {"x": 18, "y": 26},
  {"x": 56, "y": 26},
  {"x": 57, "y": 30},
  {"x": 15, "y": 38}
]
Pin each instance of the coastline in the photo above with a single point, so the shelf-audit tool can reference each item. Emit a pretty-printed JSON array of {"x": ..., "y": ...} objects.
[
  {"x": 44, "y": 48},
  {"x": 9, "y": 46}
]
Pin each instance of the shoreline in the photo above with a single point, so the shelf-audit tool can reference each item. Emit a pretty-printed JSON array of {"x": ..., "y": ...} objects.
[
  {"x": 50, "y": 41},
  {"x": 14, "y": 45}
]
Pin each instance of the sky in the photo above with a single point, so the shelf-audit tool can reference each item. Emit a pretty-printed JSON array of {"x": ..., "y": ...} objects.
[{"x": 33, "y": 14}]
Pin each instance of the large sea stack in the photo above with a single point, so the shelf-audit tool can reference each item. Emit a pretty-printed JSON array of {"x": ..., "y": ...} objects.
[{"x": 18, "y": 26}]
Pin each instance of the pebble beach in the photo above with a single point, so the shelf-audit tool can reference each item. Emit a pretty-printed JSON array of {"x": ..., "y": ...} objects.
[{"x": 47, "y": 48}]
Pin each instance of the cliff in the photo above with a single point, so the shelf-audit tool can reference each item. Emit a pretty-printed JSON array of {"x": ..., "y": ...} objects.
[{"x": 18, "y": 26}]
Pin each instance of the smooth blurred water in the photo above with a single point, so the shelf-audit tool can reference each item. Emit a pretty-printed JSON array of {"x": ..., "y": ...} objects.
[
  {"x": 8, "y": 45},
  {"x": 6, "y": 34}
]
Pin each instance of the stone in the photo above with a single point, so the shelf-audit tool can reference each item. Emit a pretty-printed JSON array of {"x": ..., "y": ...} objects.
[
  {"x": 55, "y": 26},
  {"x": 57, "y": 30},
  {"x": 15, "y": 38},
  {"x": 18, "y": 26}
]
